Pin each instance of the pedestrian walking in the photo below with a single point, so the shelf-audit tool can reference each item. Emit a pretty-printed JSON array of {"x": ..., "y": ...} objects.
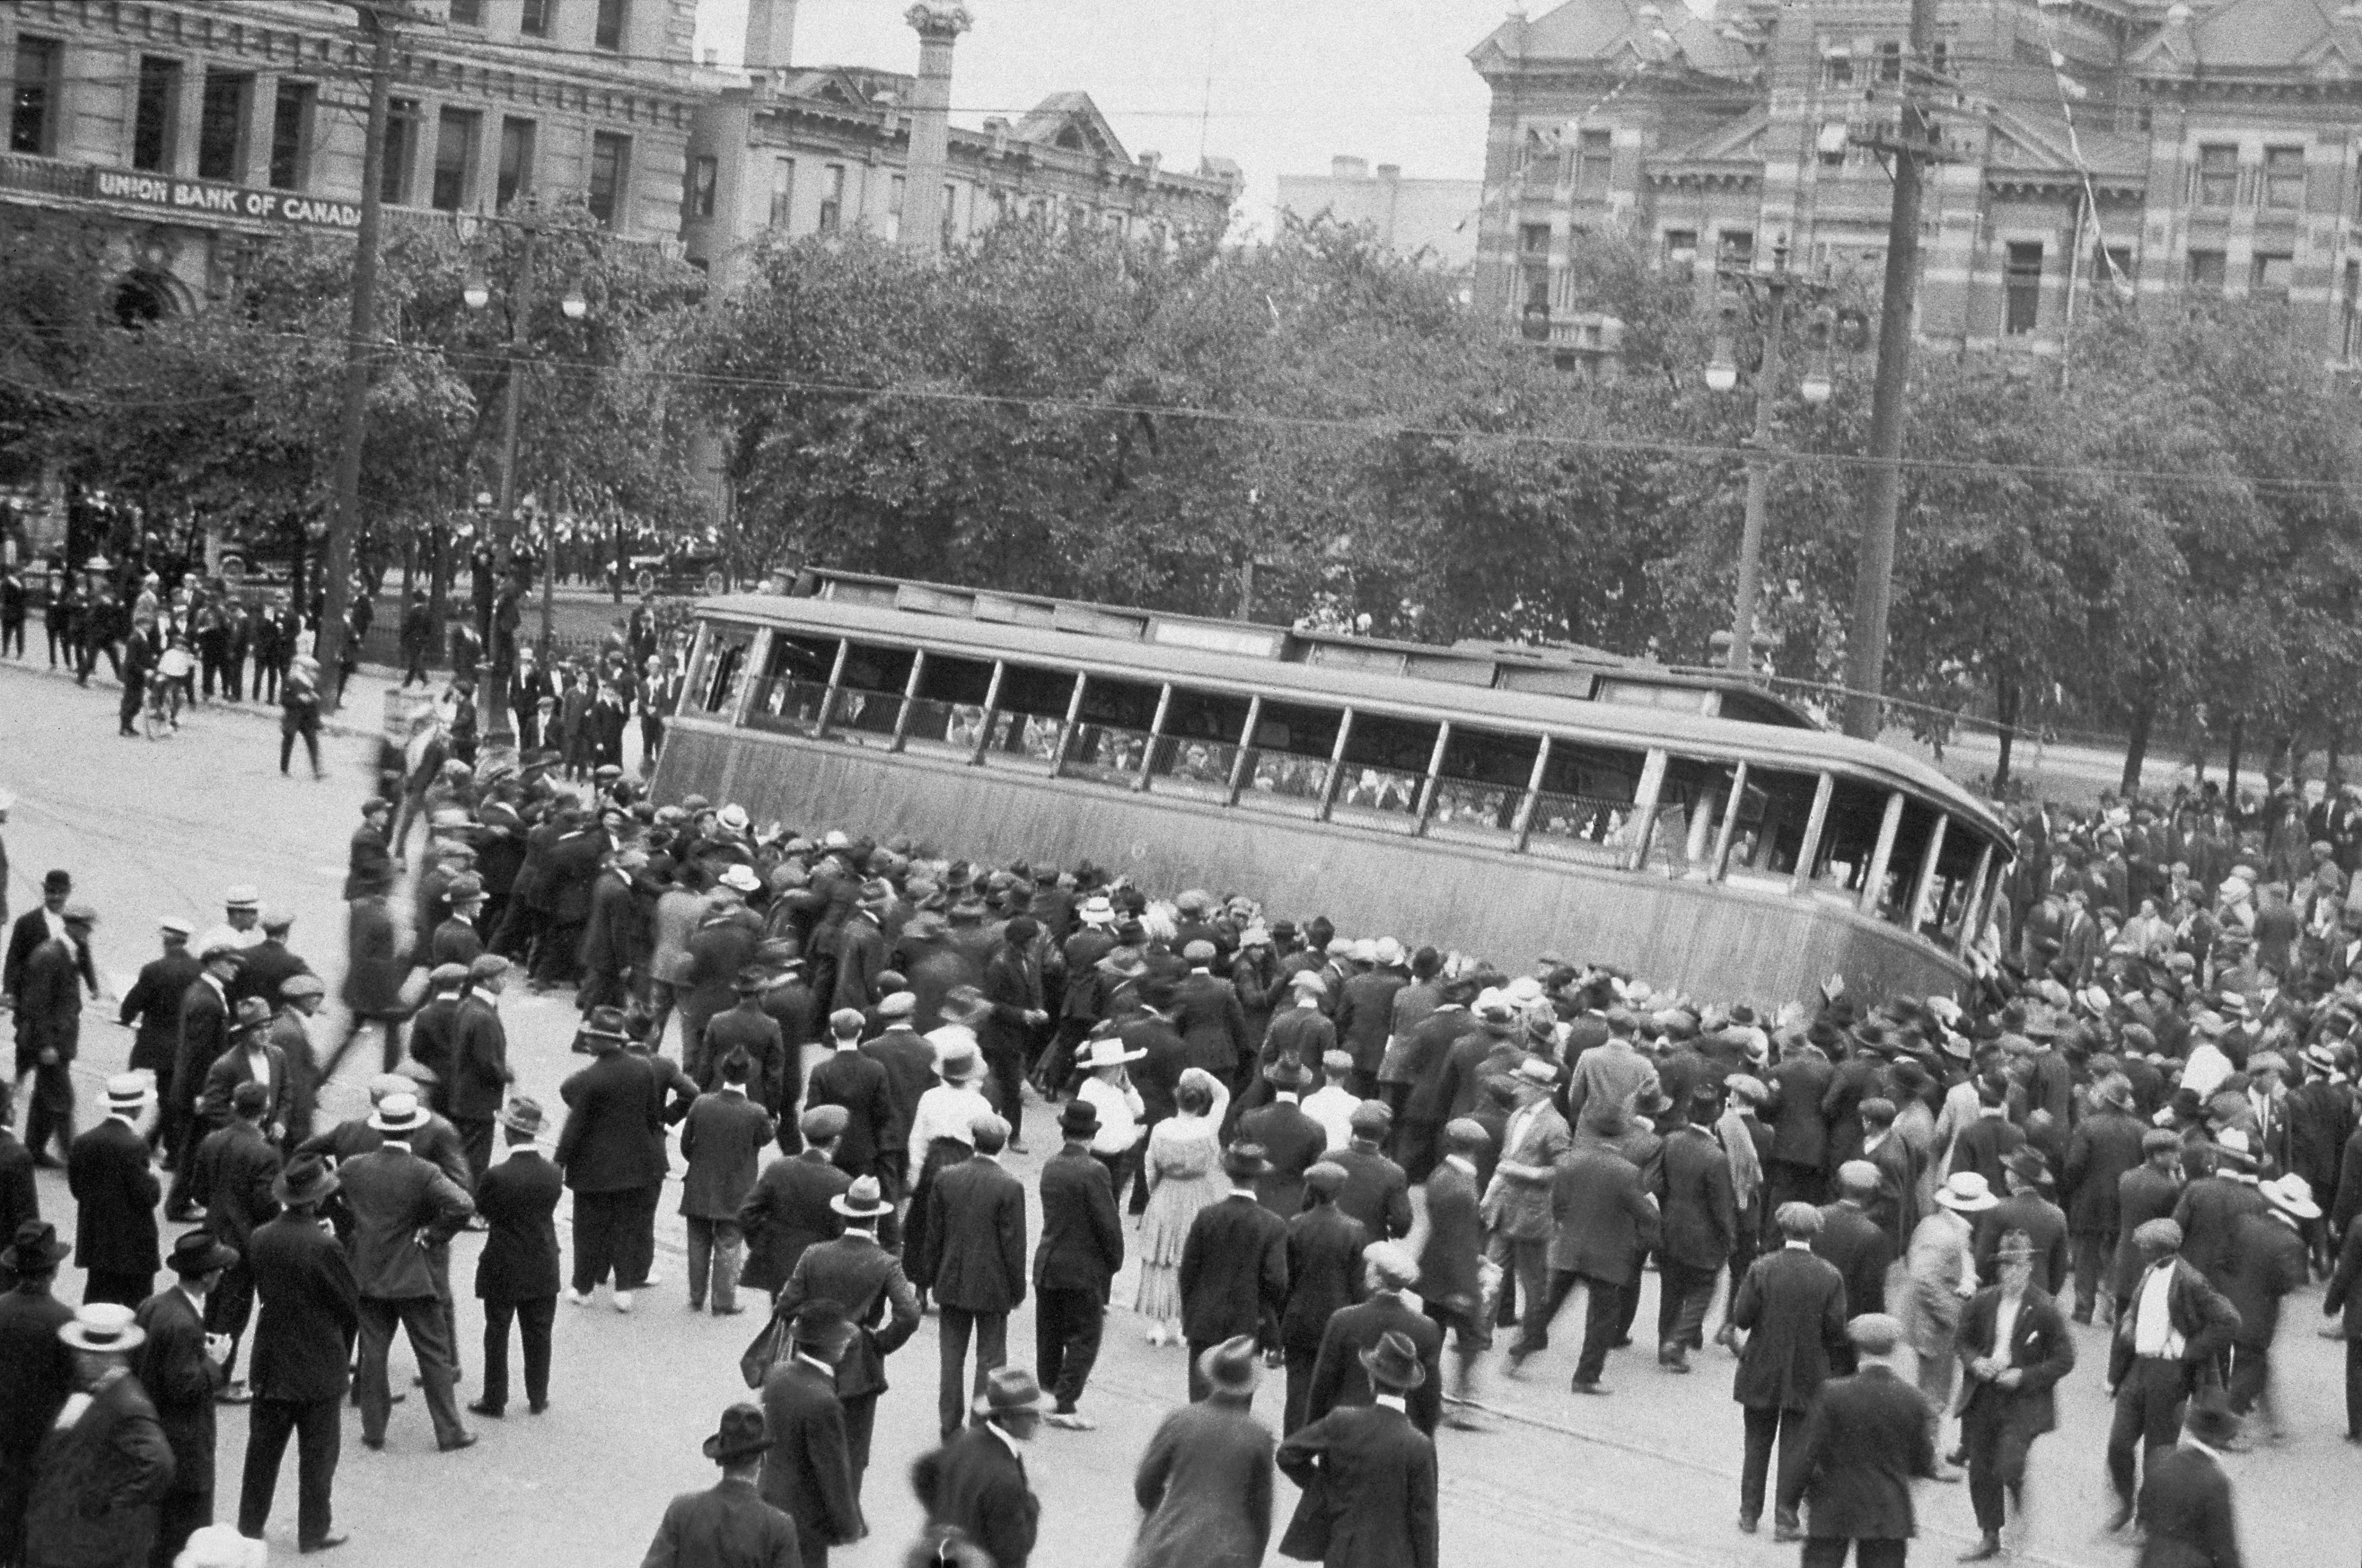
[
  {"x": 1338, "y": 1374},
  {"x": 1074, "y": 1264},
  {"x": 867, "y": 1282},
  {"x": 183, "y": 1367},
  {"x": 1291, "y": 1140},
  {"x": 1451, "y": 1262},
  {"x": 299, "y": 713},
  {"x": 303, "y": 1341},
  {"x": 722, "y": 1139},
  {"x": 729, "y": 1525},
  {"x": 36, "y": 1369},
  {"x": 401, "y": 1205},
  {"x": 48, "y": 1029},
  {"x": 1864, "y": 1443},
  {"x": 152, "y": 1008},
  {"x": 1791, "y": 1306},
  {"x": 481, "y": 1074},
  {"x": 808, "y": 1472},
  {"x": 290, "y": 1033},
  {"x": 114, "y": 1196},
  {"x": 2170, "y": 1332},
  {"x": 1603, "y": 1223},
  {"x": 1938, "y": 1279},
  {"x": 2267, "y": 1264},
  {"x": 2014, "y": 1346},
  {"x": 976, "y": 1255},
  {"x": 517, "y": 1273},
  {"x": 1697, "y": 1226},
  {"x": 1325, "y": 1275},
  {"x": 2342, "y": 1302},
  {"x": 791, "y": 1205},
  {"x": 2186, "y": 1504},
  {"x": 1233, "y": 1273},
  {"x": 1368, "y": 1475},
  {"x": 1205, "y": 1482},
  {"x": 1856, "y": 1244},
  {"x": 612, "y": 1108},
  {"x": 1180, "y": 1169},
  {"x": 2107, "y": 1143},
  {"x": 104, "y": 1464},
  {"x": 859, "y": 1083},
  {"x": 975, "y": 1487}
]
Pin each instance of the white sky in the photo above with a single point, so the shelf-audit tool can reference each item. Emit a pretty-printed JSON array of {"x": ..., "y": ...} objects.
[{"x": 1295, "y": 83}]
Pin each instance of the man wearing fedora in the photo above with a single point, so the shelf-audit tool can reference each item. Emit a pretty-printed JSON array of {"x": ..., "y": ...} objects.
[
  {"x": 1865, "y": 1442},
  {"x": 2014, "y": 1348},
  {"x": 236, "y": 1169},
  {"x": 1204, "y": 1486},
  {"x": 302, "y": 1356},
  {"x": 2185, "y": 1503},
  {"x": 182, "y": 1367},
  {"x": 1339, "y": 1376},
  {"x": 974, "y": 1241},
  {"x": 2027, "y": 1208},
  {"x": 1368, "y": 1475},
  {"x": 35, "y": 1367},
  {"x": 517, "y": 1274},
  {"x": 114, "y": 1193},
  {"x": 976, "y": 1482},
  {"x": 1291, "y": 1140},
  {"x": 106, "y": 1464},
  {"x": 2106, "y": 1143},
  {"x": 48, "y": 1029},
  {"x": 403, "y": 1205},
  {"x": 2171, "y": 1332},
  {"x": 789, "y": 1207},
  {"x": 614, "y": 1108},
  {"x": 854, "y": 1271},
  {"x": 808, "y": 1473},
  {"x": 1234, "y": 1276},
  {"x": 728, "y": 1525},
  {"x": 1075, "y": 1264},
  {"x": 251, "y": 1058},
  {"x": 2268, "y": 1262}
]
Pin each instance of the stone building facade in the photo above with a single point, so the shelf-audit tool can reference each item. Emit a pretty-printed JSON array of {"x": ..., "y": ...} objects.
[{"x": 1434, "y": 218}]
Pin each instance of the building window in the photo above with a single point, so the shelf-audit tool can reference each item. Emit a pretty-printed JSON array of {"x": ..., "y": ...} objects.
[
  {"x": 1680, "y": 253},
  {"x": 33, "y": 106},
  {"x": 611, "y": 159},
  {"x": 2348, "y": 302},
  {"x": 2218, "y": 176},
  {"x": 1533, "y": 239},
  {"x": 291, "y": 131},
  {"x": 2268, "y": 277},
  {"x": 609, "y": 32},
  {"x": 400, "y": 143},
  {"x": 950, "y": 236},
  {"x": 1537, "y": 287},
  {"x": 516, "y": 163},
  {"x": 2284, "y": 178},
  {"x": 468, "y": 12},
  {"x": 154, "y": 112},
  {"x": 2022, "y": 289},
  {"x": 1594, "y": 161},
  {"x": 1890, "y": 62},
  {"x": 783, "y": 192},
  {"x": 697, "y": 195},
  {"x": 896, "y": 190},
  {"x": 1836, "y": 138},
  {"x": 221, "y": 125},
  {"x": 1837, "y": 69},
  {"x": 455, "y": 159},
  {"x": 832, "y": 198},
  {"x": 534, "y": 20},
  {"x": 1737, "y": 249},
  {"x": 2206, "y": 271}
]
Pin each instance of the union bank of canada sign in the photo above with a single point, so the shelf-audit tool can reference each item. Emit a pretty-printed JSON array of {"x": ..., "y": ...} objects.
[{"x": 199, "y": 198}]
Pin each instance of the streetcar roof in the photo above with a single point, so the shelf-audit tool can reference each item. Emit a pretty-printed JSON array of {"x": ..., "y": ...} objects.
[{"x": 1688, "y": 734}]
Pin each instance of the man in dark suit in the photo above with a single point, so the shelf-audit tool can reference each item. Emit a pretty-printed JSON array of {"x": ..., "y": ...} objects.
[
  {"x": 1985, "y": 1144},
  {"x": 517, "y": 1275},
  {"x": 251, "y": 1058},
  {"x": 1234, "y": 1276},
  {"x": 1325, "y": 1275},
  {"x": 481, "y": 1072},
  {"x": 205, "y": 1021},
  {"x": 612, "y": 1108},
  {"x": 36, "y": 1368},
  {"x": 49, "y": 1030},
  {"x": 269, "y": 963},
  {"x": 746, "y": 1028},
  {"x": 1797, "y": 1170},
  {"x": 910, "y": 1064},
  {"x": 1377, "y": 1190},
  {"x": 2173, "y": 1326},
  {"x": 2211, "y": 1208},
  {"x": 236, "y": 1169},
  {"x": 182, "y": 1367},
  {"x": 2343, "y": 1302},
  {"x": 976, "y": 1255},
  {"x": 1338, "y": 1374},
  {"x": 976, "y": 1482},
  {"x": 1852, "y": 1240},
  {"x": 302, "y": 1349},
  {"x": 1291, "y": 1140},
  {"x": 1869, "y": 1436},
  {"x": 1699, "y": 1227},
  {"x": 616, "y": 935},
  {"x": 1791, "y": 1307},
  {"x": 1368, "y": 1474},
  {"x": 2185, "y": 1503},
  {"x": 401, "y": 1206},
  {"x": 1603, "y": 1223},
  {"x": 866, "y": 1280},
  {"x": 114, "y": 1224},
  {"x": 2105, "y": 1146},
  {"x": 858, "y": 1082},
  {"x": 808, "y": 1473},
  {"x": 729, "y": 1524},
  {"x": 2014, "y": 1348},
  {"x": 2028, "y": 1209},
  {"x": 1077, "y": 1259},
  {"x": 722, "y": 1139},
  {"x": 2268, "y": 1263},
  {"x": 790, "y": 1206},
  {"x": 152, "y": 1006},
  {"x": 2148, "y": 1191},
  {"x": 106, "y": 1464},
  {"x": 36, "y": 926}
]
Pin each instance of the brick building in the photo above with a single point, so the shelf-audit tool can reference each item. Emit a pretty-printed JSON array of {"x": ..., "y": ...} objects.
[
  {"x": 1436, "y": 218},
  {"x": 2095, "y": 149}
]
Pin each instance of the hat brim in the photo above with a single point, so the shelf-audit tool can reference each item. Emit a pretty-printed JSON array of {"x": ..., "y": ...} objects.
[
  {"x": 1118, "y": 1060},
  {"x": 983, "y": 1408},
  {"x": 328, "y": 1183},
  {"x": 217, "y": 1256},
  {"x": 130, "y": 1340},
  {"x": 379, "y": 1124},
  {"x": 720, "y": 1454},
  {"x": 1369, "y": 1359},
  {"x": 860, "y": 1211},
  {"x": 1967, "y": 1205},
  {"x": 17, "y": 1260}
]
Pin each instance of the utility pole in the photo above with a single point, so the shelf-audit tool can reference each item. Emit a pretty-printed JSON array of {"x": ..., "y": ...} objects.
[
  {"x": 500, "y": 729},
  {"x": 344, "y": 520},
  {"x": 1873, "y": 580}
]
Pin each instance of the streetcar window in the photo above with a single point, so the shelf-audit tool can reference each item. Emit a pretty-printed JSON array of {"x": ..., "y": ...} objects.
[
  {"x": 1482, "y": 783},
  {"x": 1849, "y": 836},
  {"x": 949, "y": 709},
  {"x": 869, "y": 693},
  {"x": 1911, "y": 838},
  {"x": 1111, "y": 739},
  {"x": 713, "y": 686},
  {"x": 1029, "y": 712},
  {"x": 1691, "y": 804},
  {"x": 1771, "y": 831},
  {"x": 1585, "y": 810},
  {"x": 794, "y": 684},
  {"x": 1288, "y": 767},
  {"x": 1199, "y": 744},
  {"x": 1385, "y": 766}
]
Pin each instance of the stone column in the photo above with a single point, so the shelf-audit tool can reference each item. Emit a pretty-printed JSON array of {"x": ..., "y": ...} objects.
[{"x": 939, "y": 24}]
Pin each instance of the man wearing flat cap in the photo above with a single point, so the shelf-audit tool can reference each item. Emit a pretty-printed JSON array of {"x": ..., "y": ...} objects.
[
  {"x": 2014, "y": 1347},
  {"x": 2172, "y": 1327},
  {"x": 1868, "y": 1438},
  {"x": 859, "y": 1083},
  {"x": 974, "y": 1256},
  {"x": 1791, "y": 1305},
  {"x": 1325, "y": 1275},
  {"x": 722, "y": 1138},
  {"x": 251, "y": 1059},
  {"x": 729, "y": 1525},
  {"x": 479, "y": 1082},
  {"x": 235, "y": 1168}
]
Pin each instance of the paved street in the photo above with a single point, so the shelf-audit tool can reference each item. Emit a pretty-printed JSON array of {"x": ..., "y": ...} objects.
[{"x": 1646, "y": 1476}]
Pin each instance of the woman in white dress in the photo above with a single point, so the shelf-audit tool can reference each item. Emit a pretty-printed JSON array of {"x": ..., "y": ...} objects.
[{"x": 1185, "y": 1150}]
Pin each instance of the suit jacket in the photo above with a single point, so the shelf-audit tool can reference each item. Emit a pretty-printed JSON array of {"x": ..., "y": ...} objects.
[
  {"x": 1324, "y": 1274},
  {"x": 1800, "y": 1136},
  {"x": 233, "y": 1171},
  {"x": 1868, "y": 1436},
  {"x": 975, "y": 1237},
  {"x": 2201, "y": 1314},
  {"x": 2106, "y": 1144},
  {"x": 2039, "y": 1347},
  {"x": 976, "y": 1484},
  {"x": 1852, "y": 1240},
  {"x": 480, "y": 1062},
  {"x": 1606, "y": 1219},
  {"x": 154, "y": 1002},
  {"x": 612, "y": 1108},
  {"x": 808, "y": 1473},
  {"x": 398, "y": 1199},
  {"x": 1292, "y": 1143},
  {"x": 1377, "y": 1192},
  {"x": 867, "y": 1281},
  {"x": 518, "y": 1198},
  {"x": 616, "y": 935},
  {"x": 1082, "y": 1236},
  {"x": 2267, "y": 1261},
  {"x": 236, "y": 1066},
  {"x": 2142, "y": 1195},
  {"x": 722, "y": 1139},
  {"x": 2209, "y": 1212},
  {"x": 36, "y": 1369},
  {"x": 727, "y": 1526},
  {"x": 97, "y": 1482},
  {"x": 1792, "y": 1304},
  {"x": 107, "y": 1172},
  {"x": 2044, "y": 1224},
  {"x": 1212, "y": 1025},
  {"x": 1693, "y": 1193},
  {"x": 181, "y": 1382},
  {"x": 2342, "y": 1300},
  {"x": 910, "y": 1064},
  {"x": 787, "y": 1210},
  {"x": 310, "y": 1311},
  {"x": 1365, "y": 1016},
  {"x": 1369, "y": 1482},
  {"x": 269, "y": 966},
  {"x": 1204, "y": 1484},
  {"x": 2185, "y": 1502},
  {"x": 374, "y": 967},
  {"x": 1338, "y": 1377},
  {"x": 859, "y": 1083},
  {"x": 1455, "y": 1239},
  {"x": 1983, "y": 1145}
]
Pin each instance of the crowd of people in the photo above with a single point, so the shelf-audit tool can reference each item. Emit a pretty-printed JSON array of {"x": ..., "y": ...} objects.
[{"x": 1380, "y": 1172}]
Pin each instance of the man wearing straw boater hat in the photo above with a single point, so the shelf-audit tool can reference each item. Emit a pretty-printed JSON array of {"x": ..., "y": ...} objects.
[
  {"x": 104, "y": 1464},
  {"x": 728, "y": 1524},
  {"x": 1368, "y": 1475},
  {"x": 114, "y": 1224},
  {"x": 857, "y": 1274},
  {"x": 303, "y": 1352},
  {"x": 517, "y": 1275},
  {"x": 401, "y": 1206}
]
